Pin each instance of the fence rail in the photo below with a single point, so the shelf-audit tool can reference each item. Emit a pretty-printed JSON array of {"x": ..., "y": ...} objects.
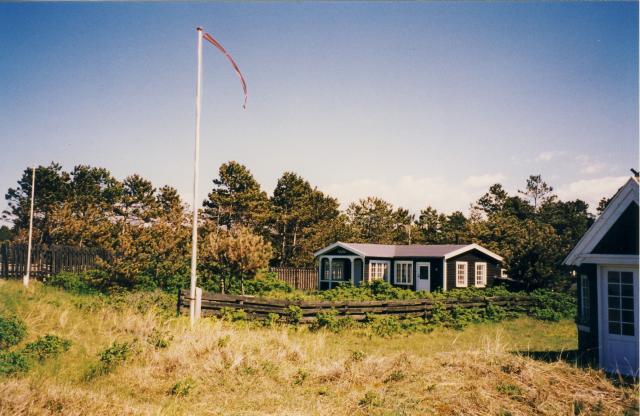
[
  {"x": 213, "y": 304},
  {"x": 298, "y": 278},
  {"x": 45, "y": 260}
]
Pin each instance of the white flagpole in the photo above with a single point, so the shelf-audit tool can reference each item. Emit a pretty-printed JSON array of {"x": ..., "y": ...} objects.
[
  {"x": 194, "y": 236},
  {"x": 25, "y": 279}
]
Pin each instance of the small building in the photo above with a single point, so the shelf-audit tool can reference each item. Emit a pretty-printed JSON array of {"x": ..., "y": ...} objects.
[
  {"x": 417, "y": 267},
  {"x": 606, "y": 261}
]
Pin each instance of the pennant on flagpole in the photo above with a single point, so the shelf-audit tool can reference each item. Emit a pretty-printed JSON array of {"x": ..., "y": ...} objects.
[{"x": 233, "y": 64}]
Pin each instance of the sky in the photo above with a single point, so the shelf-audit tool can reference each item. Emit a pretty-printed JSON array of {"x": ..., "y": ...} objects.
[{"x": 418, "y": 103}]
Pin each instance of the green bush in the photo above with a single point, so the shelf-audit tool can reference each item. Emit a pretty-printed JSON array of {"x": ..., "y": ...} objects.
[
  {"x": 266, "y": 283},
  {"x": 553, "y": 306},
  {"x": 12, "y": 363},
  {"x": 77, "y": 283},
  {"x": 376, "y": 290},
  {"x": 233, "y": 314},
  {"x": 46, "y": 346},
  {"x": 12, "y": 331},
  {"x": 294, "y": 314},
  {"x": 329, "y": 320},
  {"x": 183, "y": 387},
  {"x": 112, "y": 356}
]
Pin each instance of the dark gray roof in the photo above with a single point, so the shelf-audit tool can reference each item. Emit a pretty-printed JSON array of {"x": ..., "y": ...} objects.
[{"x": 414, "y": 250}]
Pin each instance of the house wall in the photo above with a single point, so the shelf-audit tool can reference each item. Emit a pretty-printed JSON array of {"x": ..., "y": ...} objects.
[
  {"x": 472, "y": 257},
  {"x": 436, "y": 270},
  {"x": 588, "y": 330}
]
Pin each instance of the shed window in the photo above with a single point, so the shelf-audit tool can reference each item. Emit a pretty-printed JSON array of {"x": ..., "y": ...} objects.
[
  {"x": 481, "y": 274},
  {"x": 461, "y": 274},
  {"x": 503, "y": 273},
  {"x": 620, "y": 300},
  {"x": 404, "y": 273},
  {"x": 378, "y": 270},
  {"x": 585, "y": 306}
]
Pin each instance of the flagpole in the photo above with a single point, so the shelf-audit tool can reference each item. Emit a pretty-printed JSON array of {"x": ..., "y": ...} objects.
[
  {"x": 25, "y": 279},
  {"x": 194, "y": 231}
]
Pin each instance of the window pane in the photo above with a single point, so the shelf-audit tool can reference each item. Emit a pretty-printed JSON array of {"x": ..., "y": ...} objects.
[
  {"x": 614, "y": 289},
  {"x": 614, "y": 277},
  {"x": 614, "y": 302},
  {"x": 614, "y": 315},
  {"x": 627, "y": 316},
  {"x": 626, "y": 277},
  {"x": 614, "y": 328},
  {"x": 627, "y": 303},
  {"x": 627, "y": 329},
  {"x": 626, "y": 290}
]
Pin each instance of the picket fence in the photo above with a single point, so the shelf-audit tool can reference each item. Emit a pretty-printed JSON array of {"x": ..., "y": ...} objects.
[{"x": 45, "y": 260}]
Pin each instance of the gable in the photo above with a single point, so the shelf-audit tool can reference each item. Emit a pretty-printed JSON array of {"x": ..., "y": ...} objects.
[
  {"x": 622, "y": 237},
  {"x": 613, "y": 237},
  {"x": 340, "y": 251}
]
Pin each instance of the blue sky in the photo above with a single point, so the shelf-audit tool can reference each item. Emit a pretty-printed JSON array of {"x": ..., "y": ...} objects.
[{"x": 418, "y": 103}]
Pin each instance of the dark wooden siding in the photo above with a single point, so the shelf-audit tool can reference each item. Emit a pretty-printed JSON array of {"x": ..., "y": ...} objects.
[
  {"x": 472, "y": 257},
  {"x": 588, "y": 339},
  {"x": 622, "y": 237},
  {"x": 436, "y": 271}
]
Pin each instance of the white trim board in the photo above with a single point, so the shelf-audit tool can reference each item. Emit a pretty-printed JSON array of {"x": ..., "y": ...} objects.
[
  {"x": 618, "y": 204},
  {"x": 341, "y": 245},
  {"x": 470, "y": 247}
]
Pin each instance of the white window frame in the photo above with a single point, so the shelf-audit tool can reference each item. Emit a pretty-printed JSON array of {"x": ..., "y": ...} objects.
[
  {"x": 585, "y": 305},
  {"x": 385, "y": 270},
  {"x": 409, "y": 270},
  {"x": 466, "y": 273},
  {"x": 503, "y": 273},
  {"x": 482, "y": 283}
]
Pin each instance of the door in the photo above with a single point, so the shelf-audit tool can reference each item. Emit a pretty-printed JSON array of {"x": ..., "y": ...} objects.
[
  {"x": 619, "y": 320},
  {"x": 423, "y": 276}
]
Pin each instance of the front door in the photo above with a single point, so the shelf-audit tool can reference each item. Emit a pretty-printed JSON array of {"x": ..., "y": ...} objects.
[
  {"x": 619, "y": 320},
  {"x": 423, "y": 276}
]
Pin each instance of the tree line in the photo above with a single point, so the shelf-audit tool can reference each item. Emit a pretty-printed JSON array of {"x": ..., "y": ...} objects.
[{"x": 146, "y": 230}]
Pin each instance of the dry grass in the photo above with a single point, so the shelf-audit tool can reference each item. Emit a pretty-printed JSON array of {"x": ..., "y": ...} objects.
[{"x": 221, "y": 368}]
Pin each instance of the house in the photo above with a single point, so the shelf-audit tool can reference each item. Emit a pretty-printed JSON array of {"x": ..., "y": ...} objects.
[
  {"x": 417, "y": 267},
  {"x": 606, "y": 262}
]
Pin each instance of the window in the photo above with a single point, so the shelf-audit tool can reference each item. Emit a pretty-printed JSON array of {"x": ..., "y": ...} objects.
[
  {"x": 378, "y": 270},
  {"x": 481, "y": 274},
  {"x": 337, "y": 270},
  {"x": 503, "y": 273},
  {"x": 585, "y": 307},
  {"x": 404, "y": 273},
  {"x": 620, "y": 302},
  {"x": 461, "y": 274}
]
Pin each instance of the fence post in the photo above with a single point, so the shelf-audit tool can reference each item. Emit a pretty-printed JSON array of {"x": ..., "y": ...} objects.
[{"x": 198, "y": 302}]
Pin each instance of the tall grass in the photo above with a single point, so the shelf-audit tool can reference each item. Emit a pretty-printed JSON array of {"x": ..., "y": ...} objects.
[{"x": 239, "y": 368}]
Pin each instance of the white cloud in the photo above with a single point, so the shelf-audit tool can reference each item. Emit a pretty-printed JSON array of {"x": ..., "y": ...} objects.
[
  {"x": 588, "y": 165},
  {"x": 591, "y": 190},
  {"x": 484, "y": 181},
  {"x": 547, "y": 156},
  {"x": 415, "y": 193}
]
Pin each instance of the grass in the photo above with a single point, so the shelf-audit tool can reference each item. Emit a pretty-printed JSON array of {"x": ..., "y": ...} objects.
[{"x": 239, "y": 368}]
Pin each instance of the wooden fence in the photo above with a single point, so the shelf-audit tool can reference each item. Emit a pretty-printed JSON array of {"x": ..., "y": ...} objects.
[
  {"x": 303, "y": 279},
  {"x": 45, "y": 260},
  {"x": 260, "y": 308}
]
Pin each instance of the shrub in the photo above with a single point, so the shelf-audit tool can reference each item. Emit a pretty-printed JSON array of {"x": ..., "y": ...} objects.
[
  {"x": 12, "y": 331},
  {"x": 46, "y": 346},
  {"x": 376, "y": 290},
  {"x": 233, "y": 314},
  {"x": 12, "y": 363},
  {"x": 329, "y": 320},
  {"x": 294, "y": 314},
  {"x": 265, "y": 283},
  {"x": 110, "y": 358},
  {"x": 183, "y": 387},
  {"x": 553, "y": 306},
  {"x": 159, "y": 339},
  {"x": 78, "y": 283},
  {"x": 272, "y": 320}
]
